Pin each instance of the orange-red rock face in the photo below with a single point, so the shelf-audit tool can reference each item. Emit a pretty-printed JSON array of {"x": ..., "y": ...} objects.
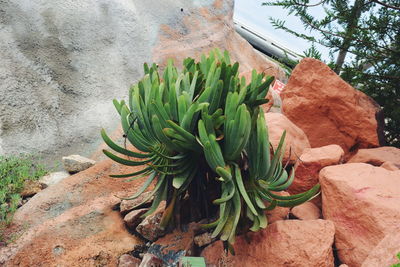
[
  {"x": 290, "y": 243},
  {"x": 363, "y": 201},
  {"x": 328, "y": 109}
]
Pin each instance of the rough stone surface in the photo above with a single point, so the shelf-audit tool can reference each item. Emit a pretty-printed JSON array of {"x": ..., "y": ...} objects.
[
  {"x": 132, "y": 219},
  {"x": 127, "y": 260},
  {"x": 150, "y": 260},
  {"x": 150, "y": 228},
  {"x": 73, "y": 224},
  {"x": 203, "y": 239},
  {"x": 363, "y": 201},
  {"x": 290, "y": 243},
  {"x": 169, "y": 249},
  {"x": 377, "y": 156},
  {"x": 384, "y": 254},
  {"x": 324, "y": 156},
  {"x": 310, "y": 163},
  {"x": 388, "y": 165},
  {"x": 279, "y": 213},
  {"x": 328, "y": 109},
  {"x": 54, "y": 177},
  {"x": 189, "y": 37},
  {"x": 128, "y": 204},
  {"x": 296, "y": 141},
  {"x": 31, "y": 188},
  {"x": 178, "y": 241},
  {"x": 63, "y": 61},
  {"x": 76, "y": 163},
  {"x": 306, "y": 211}
]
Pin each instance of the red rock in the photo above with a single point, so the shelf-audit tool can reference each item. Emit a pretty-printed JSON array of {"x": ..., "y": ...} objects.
[
  {"x": 72, "y": 223},
  {"x": 296, "y": 141},
  {"x": 306, "y": 211},
  {"x": 170, "y": 248},
  {"x": 279, "y": 213},
  {"x": 324, "y": 156},
  {"x": 150, "y": 260},
  {"x": 150, "y": 227},
  {"x": 328, "y": 109},
  {"x": 384, "y": 254},
  {"x": 127, "y": 260},
  {"x": 363, "y": 201},
  {"x": 388, "y": 165},
  {"x": 377, "y": 156},
  {"x": 289, "y": 243},
  {"x": 178, "y": 240},
  {"x": 129, "y": 204},
  {"x": 310, "y": 163},
  {"x": 132, "y": 219}
]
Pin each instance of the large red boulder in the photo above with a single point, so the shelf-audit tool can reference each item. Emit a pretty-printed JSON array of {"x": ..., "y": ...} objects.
[
  {"x": 363, "y": 201},
  {"x": 73, "y": 223},
  {"x": 289, "y": 243},
  {"x": 328, "y": 109}
]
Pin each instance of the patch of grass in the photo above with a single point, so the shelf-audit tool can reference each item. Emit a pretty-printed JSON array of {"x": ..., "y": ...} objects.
[{"x": 14, "y": 171}]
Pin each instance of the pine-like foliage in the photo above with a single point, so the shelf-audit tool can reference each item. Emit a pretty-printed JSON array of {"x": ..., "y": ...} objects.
[
  {"x": 365, "y": 37},
  {"x": 203, "y": 141}
]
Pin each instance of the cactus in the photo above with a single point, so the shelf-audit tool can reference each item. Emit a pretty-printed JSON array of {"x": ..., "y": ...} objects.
[{"x": 201, "y": 137}]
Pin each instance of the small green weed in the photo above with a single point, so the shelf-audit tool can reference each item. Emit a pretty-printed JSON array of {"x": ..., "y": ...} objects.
[{"x": 14, "y": 171}]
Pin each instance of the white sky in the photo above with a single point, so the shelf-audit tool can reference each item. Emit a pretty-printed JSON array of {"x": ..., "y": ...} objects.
[{"x": 256, "y": 16}]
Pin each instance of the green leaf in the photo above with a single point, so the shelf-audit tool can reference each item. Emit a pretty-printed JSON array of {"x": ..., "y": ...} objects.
[
  {"x": 131, "y": 174},
  {"x": 125, "y": 161},
  {"x": 243, "y": 191},
  {"x": 121, "y": 150}
]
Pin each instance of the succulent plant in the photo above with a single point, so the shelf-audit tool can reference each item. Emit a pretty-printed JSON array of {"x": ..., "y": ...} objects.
[{"x": 201, "y": 137}]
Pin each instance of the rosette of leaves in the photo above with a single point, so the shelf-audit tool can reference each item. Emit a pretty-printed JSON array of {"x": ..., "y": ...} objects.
[{"x": 201, "y": 137}]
